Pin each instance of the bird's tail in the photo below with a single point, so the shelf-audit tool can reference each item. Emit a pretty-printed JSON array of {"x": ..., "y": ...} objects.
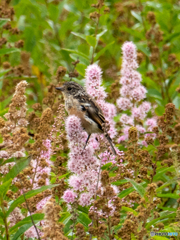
[{"x": 110, "y": 142}]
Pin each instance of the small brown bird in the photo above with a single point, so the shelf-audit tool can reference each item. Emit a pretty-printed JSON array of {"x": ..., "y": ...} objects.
[{"x": 78, "y": 102}]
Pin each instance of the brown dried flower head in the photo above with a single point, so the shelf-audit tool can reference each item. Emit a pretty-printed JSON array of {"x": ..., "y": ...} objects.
[{"x": 60, "y": 73}]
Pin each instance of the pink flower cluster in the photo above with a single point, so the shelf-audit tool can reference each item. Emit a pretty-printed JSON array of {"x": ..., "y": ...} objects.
[
  {"x": 132, "y": 93},
  {"x": 82, "y": 163},
  {"x": 94, "y": 88},
  {"x": 39, "y": 171},
  {"x": 131, "y": 89},
  {"x": 106, "y": 157}
]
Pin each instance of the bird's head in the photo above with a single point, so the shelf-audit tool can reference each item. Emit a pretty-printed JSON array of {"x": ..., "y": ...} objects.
[{"x": 71, "y": 88}]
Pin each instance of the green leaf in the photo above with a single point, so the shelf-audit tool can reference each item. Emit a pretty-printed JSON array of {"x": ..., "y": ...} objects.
[
  {"x": 91, "y": 41},
  {"x": 143, "y": 48},
  {"x": 81, "y": 68},
  {"x": 84, "y": 219},
  {"x": 8, "y": 50},
  {"x": 15, "y": 2},
  {"x": 168, "y": 195},
  {"x": 139, "y": 188},
  {"x": 100, "y": 34},
  {"x": 83, "y": 36},
  {"x": 64, "y": 175},
  {"x": 17, "y": 168},
  {"x": 137, "y": 16},
  {"x": 169, "y": 209},
  {"x": 1, "y": 215},
  {"x": 159, "y": 238},
  {"x": 2, "y": 73},
  {"x": 166, "y": 184},
  {"x": 65, "y": 218},
  {"x": 23, "y": 229},
  {"x": 106, "y": 166},
  {"x": 154, "y": 93},
  {"x": 27, "y": 220},
  {"x": 29, "y": 194},
  {"x": 7, "y": 161},
  {"x": 1, "y": 222},
  {"x": 176, "y": 102},
  {"x": 4, "y": 187},
  {"x": 126, "y": 192},
  {"x": 5, "y": 103},
  {"x": 82, "y": 60},
  {"x": 171, "y": 36},
  {"x": 103, "y": 51},
  {"x": 133, "y": 32},
  {"x": 83, "y": 209},
  {"x": 127, "y": 209},
  {"x": 3, "y": 21},
  {"x": 117, "y": 183},
  {"x": 76, "y": 52},
  {"x": 2, "y": 112},
  {"x": 91, "y": 50},
  {"x": 160, "y": 172},
  {"x": 54, "y": 12},
  {"x": 160, "y": 110},
  {"x": 164, "y": 216}
]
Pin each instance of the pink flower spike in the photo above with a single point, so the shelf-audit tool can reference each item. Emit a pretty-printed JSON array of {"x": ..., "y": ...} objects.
[
  {"x": 138, "y": 94},
  {"x": 93, "y": 76},
  {"x": 125, "y": 119},
  {"x": 75, "y": 182},
  {"x": 129, "y": 51},
  {"x": 124, "y": 103},
  {"x": 145, "y": 106},
  {"x": 69, "y": 196},
  {"x": 84, "y": 199}
]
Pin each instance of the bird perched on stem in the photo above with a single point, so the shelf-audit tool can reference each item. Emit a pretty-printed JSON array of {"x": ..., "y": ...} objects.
[{"x": 78, "y": 102}]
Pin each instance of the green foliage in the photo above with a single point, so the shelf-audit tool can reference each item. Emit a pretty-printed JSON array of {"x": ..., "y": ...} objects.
[
  {"x": 8, "y": 51},
  {"x": 29, "y": 194},
  {"x": 16, "y": 169},
  {"x": 26, "y": 221},
  {"x": 4, "y": 187},
  {"x": 55, "y": 33}
]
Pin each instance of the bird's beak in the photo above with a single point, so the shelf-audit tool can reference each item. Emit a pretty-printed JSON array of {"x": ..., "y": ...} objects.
[{"x": 60, "y": 88}]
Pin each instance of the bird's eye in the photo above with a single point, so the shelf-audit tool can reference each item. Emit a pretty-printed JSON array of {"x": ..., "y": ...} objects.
[{"x": 69, "y": 88}]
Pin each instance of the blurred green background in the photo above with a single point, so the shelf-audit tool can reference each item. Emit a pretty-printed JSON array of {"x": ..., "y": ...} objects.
[{"x": 56, "y": 33}]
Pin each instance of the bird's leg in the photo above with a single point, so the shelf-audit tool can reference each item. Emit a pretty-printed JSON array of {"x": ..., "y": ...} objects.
[{"x": 87, "y": 140}]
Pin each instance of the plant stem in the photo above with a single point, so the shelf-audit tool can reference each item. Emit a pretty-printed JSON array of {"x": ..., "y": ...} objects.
[
  {"x": 92, "y": 59},
  {"x": 38, "y": 236},
  {"x": 109, "y": 223},
  {"x": 5, "y": 220},
  {"x": 30, "y": 214},
  {"x": 143, "y": 22},
  {"x": 96, "y": 193}
]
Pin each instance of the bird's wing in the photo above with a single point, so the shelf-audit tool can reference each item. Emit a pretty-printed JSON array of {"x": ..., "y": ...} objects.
[{"x": 94, "y": 112}]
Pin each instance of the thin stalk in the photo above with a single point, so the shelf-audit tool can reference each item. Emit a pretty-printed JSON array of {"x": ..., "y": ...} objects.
[
  {"x": 30, "y": 214},
  {"x": 109, "y": 223},
  {"x": 97, "y": 25},
  {"x": 5, "y": 220},
  {"x": 96, "y": 194},
  {"x": 29, "y": 210},
  {"x": 143, "y": 22}
]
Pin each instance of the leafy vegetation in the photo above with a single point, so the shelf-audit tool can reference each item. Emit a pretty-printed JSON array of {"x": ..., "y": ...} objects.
[{"x": 45, "y": 43}]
